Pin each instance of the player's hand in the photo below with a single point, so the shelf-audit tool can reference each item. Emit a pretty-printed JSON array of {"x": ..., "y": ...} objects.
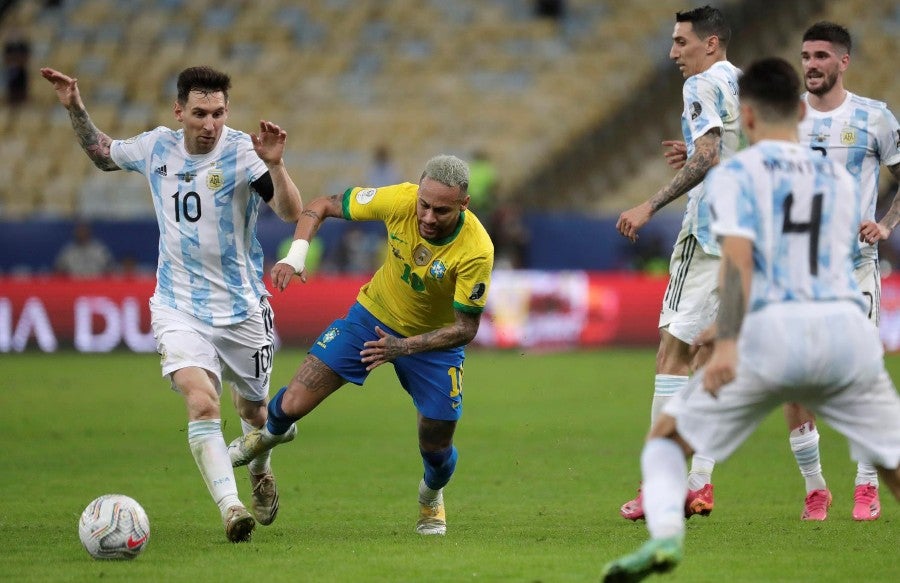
[
  {"x": 269, "y": 142},
  {"x": 633, "y": 219},
  {"x": 385, "y": 349},
  {"x": 722, "y": 366},
  {"x": 282, "y": 273},
  {"x": 676, "y": 154},
  {"x": 66, "y": 87},
  {"x": 871, "y": 232}
]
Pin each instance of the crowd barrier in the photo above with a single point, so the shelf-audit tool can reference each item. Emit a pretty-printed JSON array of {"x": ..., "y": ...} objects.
[{"x": 526, "y": 310}]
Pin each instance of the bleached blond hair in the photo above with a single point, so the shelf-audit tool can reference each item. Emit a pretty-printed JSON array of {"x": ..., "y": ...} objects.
[{"x": 449, "y": 171}]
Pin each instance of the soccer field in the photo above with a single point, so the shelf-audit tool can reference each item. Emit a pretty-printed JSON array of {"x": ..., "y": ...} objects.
[{"x": 549, "y": 447}]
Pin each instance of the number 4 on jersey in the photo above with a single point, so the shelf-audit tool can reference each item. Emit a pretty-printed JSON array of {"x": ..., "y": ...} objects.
[{"x": 812, "y": 227}]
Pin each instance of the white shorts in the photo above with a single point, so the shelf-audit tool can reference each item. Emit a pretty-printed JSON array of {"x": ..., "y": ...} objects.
[
  {"x": 240, "y": 354},
  {"x": 692, "y": 295},
  {"x": 825, "y": 356},
  {"x": 868, "y": 278}
]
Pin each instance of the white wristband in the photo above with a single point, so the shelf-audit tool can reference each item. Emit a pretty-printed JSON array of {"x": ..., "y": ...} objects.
[{"x": 296, "y": 256}]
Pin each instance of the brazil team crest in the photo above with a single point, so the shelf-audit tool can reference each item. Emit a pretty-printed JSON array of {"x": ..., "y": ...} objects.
[
  {"x": 215, "y": 180},
  {"x": 438, "y": 269},
  {"x": 328, "y": 336}
]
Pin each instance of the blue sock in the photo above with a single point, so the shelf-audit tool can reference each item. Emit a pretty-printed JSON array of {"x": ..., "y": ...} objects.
[
  {"x": 439, "y": 466},
  {"x": 279, "y": 421}
]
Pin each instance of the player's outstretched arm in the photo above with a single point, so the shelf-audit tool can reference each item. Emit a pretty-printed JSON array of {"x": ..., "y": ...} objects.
[
  {"x": 706, "y": 155},
  {"x": 94, "y": 142},
  {"x": 692, "y": 173},
  {"x": 311, "y": 219},
  {"x": 388, "y": 347},
  {"x": 269, "y": 145}
]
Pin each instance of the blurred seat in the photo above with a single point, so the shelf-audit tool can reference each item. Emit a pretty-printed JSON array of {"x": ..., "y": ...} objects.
[{"x": 428, "y": 76}]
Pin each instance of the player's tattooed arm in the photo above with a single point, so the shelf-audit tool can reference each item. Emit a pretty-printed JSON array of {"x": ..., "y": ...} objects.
[
  {"x": 735, "y": 274},
  {"x": 460, "y": 333},
  {"x": 734, "y": 290},
  {"x": 732, "y": 303},
  {"x": 315, "y": 213},
  {"x": 95, "y": 143},
  {"x": 706, "y": 155},
  {"x": 389, "y": 347}
]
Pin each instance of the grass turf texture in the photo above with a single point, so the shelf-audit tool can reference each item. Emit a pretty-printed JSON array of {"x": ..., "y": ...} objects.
[{"x": 549, "y": 447}]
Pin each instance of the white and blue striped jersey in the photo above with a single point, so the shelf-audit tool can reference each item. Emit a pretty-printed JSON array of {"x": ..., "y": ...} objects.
[
  {"x": 801, "y": 211},
  {"x": 210, "y": 262},
  {"x": 710, "y": 101},
  {"x": 861, "y": 134}
]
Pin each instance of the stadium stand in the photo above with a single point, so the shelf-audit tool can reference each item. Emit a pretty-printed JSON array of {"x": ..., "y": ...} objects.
[
  {"x": 560, "y": 104},
  {"x": 611, "y": 183},
  {"x": 428, "y": 76}
]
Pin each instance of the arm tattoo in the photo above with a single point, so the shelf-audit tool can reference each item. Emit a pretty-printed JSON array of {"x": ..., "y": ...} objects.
[
  {"x": 693, "y": 172},
  {"x": 316, "y": 222},
  {"x": 732, "y": 303},
  {"x": 94, "y": 142},
  {"x": 316, "y": 213},
  {"x": 459, "y": 333},
  {"x": 312, "y": 214}
]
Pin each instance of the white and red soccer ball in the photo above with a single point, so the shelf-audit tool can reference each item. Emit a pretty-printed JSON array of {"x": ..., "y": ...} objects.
[{"x": 114, "y": 526}]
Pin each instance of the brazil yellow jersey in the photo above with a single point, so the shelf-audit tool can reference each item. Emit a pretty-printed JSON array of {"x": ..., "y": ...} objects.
[{"x": 422, "y": 281}]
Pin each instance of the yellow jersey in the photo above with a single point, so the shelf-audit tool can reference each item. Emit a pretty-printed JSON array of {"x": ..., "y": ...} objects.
[{"x": 422, "y": 281}]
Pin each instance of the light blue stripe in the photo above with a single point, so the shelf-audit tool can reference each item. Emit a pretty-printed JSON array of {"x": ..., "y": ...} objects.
[{"x": 224, "y": 197}]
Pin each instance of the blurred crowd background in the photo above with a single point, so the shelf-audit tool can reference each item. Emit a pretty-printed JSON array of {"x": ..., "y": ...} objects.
[{"x": 558, "y": 105}]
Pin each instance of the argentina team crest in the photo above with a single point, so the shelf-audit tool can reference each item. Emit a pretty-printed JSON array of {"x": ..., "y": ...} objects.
[
  {"x": 215, "y": 180},
  {"x": 848, "y": 136}
]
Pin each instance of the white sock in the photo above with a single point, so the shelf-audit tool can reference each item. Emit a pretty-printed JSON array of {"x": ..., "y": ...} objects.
[
  {"x": 866, "y": 474},
  {"x": 260, "y": 464},
  {"x": 426, "y": 494},
  {"x": 805, "y": 445},
  {"x": 211, "y": 454},
  {"x": 701, "y": 471},
  {"x": 664, "y": 487},
  {"x": 664, "y": 387}
]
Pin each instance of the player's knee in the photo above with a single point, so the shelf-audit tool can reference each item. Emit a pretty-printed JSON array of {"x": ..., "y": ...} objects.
[
  {"x": 664, "y": 426},
  {"x": 435, "y": 434},
  {"x": 253, "y": 412},
  {"x": 202, "y": 406},
  {"x": 796, "y": 415},
  {"x": 673, "y": 356}
]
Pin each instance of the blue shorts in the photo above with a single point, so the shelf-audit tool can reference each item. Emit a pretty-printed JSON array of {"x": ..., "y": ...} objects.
[{"x": 433, "y": 379}]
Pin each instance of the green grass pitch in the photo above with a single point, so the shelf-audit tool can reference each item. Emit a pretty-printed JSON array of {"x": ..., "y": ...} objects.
[{"x": 549, "y": 447}]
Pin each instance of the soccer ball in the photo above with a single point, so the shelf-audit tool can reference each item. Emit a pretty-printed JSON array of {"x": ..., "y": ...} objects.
[{"x": 114, "y": 526}]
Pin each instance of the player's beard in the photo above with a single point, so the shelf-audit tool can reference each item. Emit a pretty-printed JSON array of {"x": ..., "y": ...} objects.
[{"x": 828, "y": 81}]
